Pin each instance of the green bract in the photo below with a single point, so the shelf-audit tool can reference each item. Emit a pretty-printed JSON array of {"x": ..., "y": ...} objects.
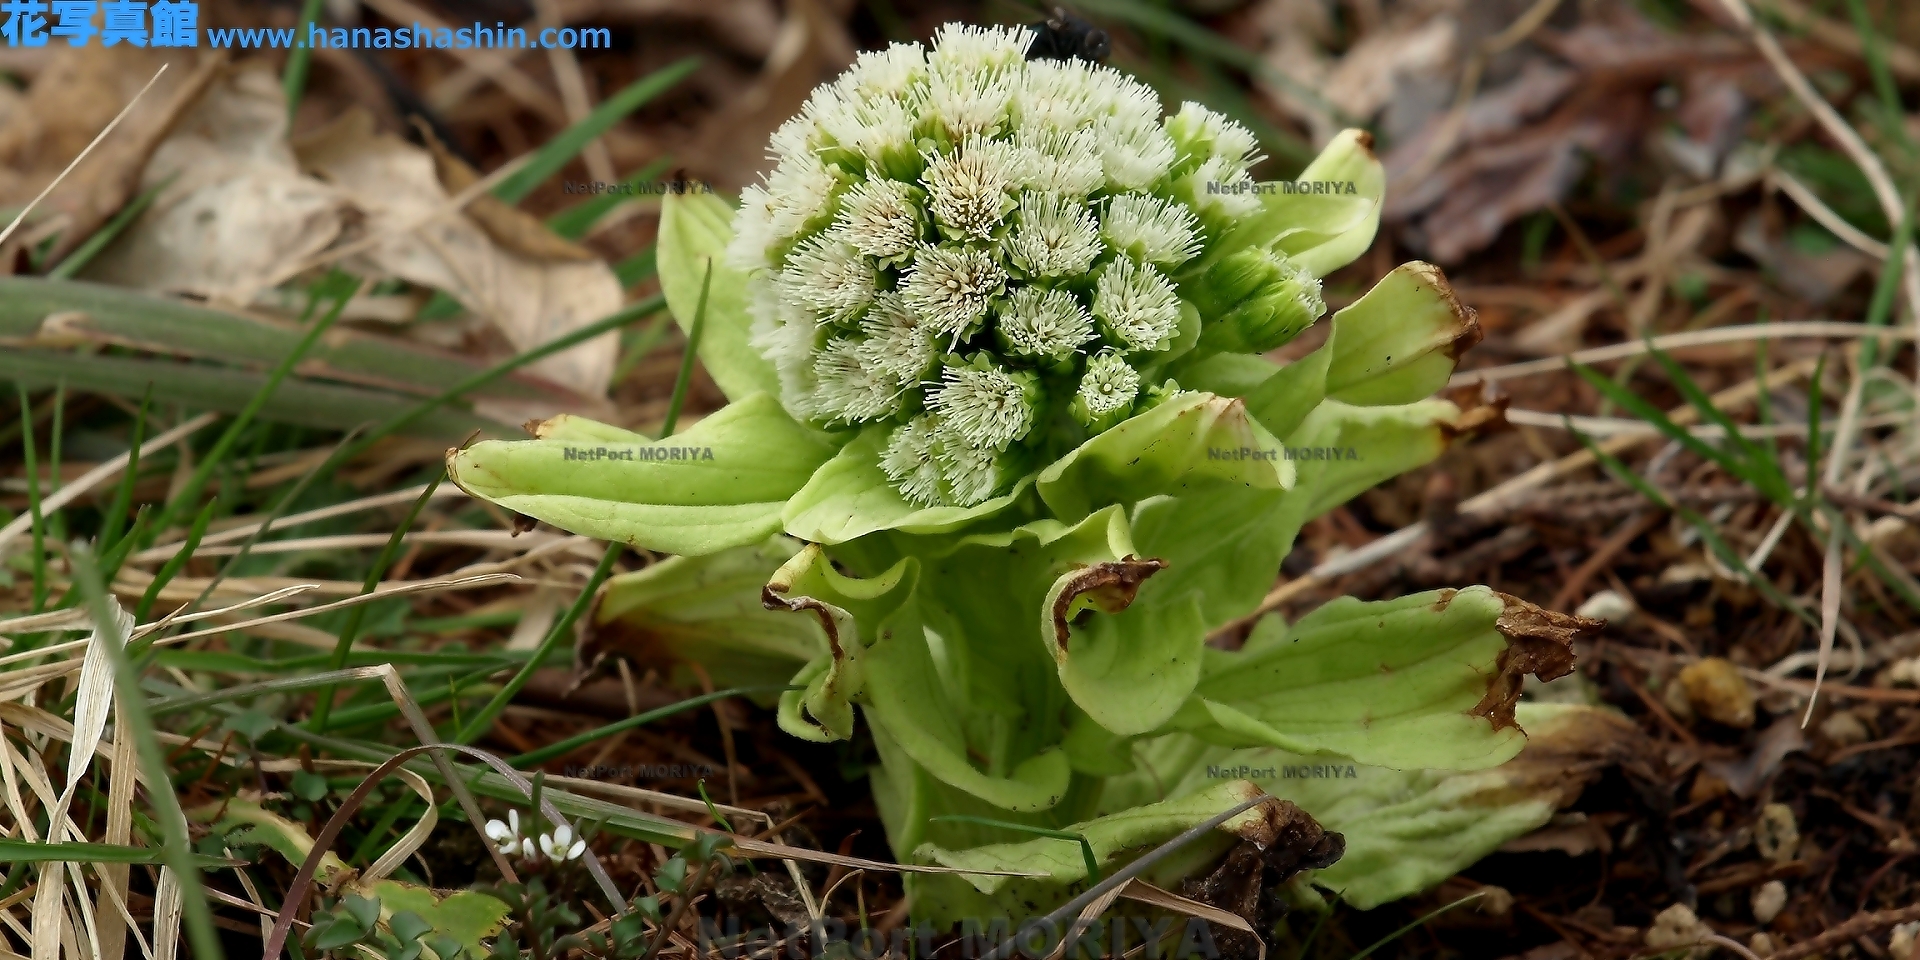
[{"x": 1002, "y": 454}]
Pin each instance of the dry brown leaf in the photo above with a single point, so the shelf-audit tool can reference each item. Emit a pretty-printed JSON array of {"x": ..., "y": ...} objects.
[
  {"x": 510, "y": 227},
  {"x": 394, "y": 185},
  {"x": 71, "y": 102},
  {"x": 238, "y": 210}
]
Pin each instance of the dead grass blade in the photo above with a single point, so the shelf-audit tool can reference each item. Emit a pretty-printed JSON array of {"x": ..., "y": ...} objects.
[{"x": 122, "y": 115}]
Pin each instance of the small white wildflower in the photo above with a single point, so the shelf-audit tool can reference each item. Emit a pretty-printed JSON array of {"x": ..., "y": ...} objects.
[
  {"x": 890, "y": 72},
  {"x": 968, "y": 190},
  {"x": 909, "y": 461},
  {"x": 1108, "y": 386},
  {"x": 987, "y": 408},
  {"x": 1055, "y": 236},
  {"x": 829, "y": 276},
  {"x": 1150, "y": 229},
  {"x": 505, "y": 836},
  {"x": 968, "y": 104},
  {"x": 1137, "y": 307},
  {"x": 849, "y": 388},
  {"x": 897, "y": 343},
  {"x": 949, "y": 287},
  {"x": 1135, "y": 153},
  {"x": 1037, "y": 322},
  {"x": 880, "y": 218},
  {"x": 965, "y": 48},
  {"x": 971, "y": 473},
  {"x": 560, "y": 845},
  {"x": 1059, "y": 162}
]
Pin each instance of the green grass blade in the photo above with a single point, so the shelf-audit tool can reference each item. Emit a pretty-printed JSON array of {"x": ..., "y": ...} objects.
[
  {"x": 574, "y": 222},
  {"x": 91, "y": 247},
  {"x": 1892, "y": 120},
  {"x": 1880, "y": 308},
  {"x": 570, "y": 744},
  {"x": 39, "y": 545},
  {"x": 1638, "y": 406},
  {"x": 294, "y": 82},
  {"x": 685, "y": 379},
  {"x": 351, "y": 631},
  {"x": 1403, "y": 931},
  {"x": 338, "y": 287},
  {"x": 1814, "y": 401},
  {"x": 1086, "y": 848},
  {"x": 174, "y": 563},
  {"x": 642, "y": 346},
  {"x": 1708, "y": 535},
  {"x": 115, "y": 520},
  {"x": 176, "y": 846},
  {"x": 636, "y": 268},
  {"x": 561, "y": 150},
  {"x": 420, "y": 410},
  {"x": 479, "y": 722},
  {"x": 116, "y": 555},
  {"x": 25, "y": 851},
  {"x": 1765, "y": 473},
  {"x": 260, "y": 532}
]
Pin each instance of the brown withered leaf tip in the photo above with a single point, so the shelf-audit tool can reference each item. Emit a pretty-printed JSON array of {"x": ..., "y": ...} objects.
[
  {"x": 1111, "y": 586},
  {"x": 771, "y": 599},
  {"x": 1278, "y": 841},
  {"x": 1539, "y": 642}
]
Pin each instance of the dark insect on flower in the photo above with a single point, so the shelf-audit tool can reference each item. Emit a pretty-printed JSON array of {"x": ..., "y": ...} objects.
[{"x": 1064, "y": 36}]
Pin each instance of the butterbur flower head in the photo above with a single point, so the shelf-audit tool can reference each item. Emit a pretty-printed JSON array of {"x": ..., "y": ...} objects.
[
  {"x": 1151, "y": 230},
  {"x": 1039, "y": 323},
  {"x": 1138, "y": 308},
  {"x": 1043, "y": 219},
  {"x": 1057, "y": 236},
  {"x": 950, "y": 287},
  {"x": 881, "y": 218},
  {"x": 911, "y": 460},
  {"x": 968, "y": 190},
  {"x": 1106, "y": 392},
  {"x": 986, "y": 405}
]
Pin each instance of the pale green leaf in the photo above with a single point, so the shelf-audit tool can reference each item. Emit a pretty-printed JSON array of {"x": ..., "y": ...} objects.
[{"x": 694, "y": 231}]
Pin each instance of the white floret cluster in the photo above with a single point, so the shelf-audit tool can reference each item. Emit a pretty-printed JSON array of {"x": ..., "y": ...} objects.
[{"x": 956, "y": 244}]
